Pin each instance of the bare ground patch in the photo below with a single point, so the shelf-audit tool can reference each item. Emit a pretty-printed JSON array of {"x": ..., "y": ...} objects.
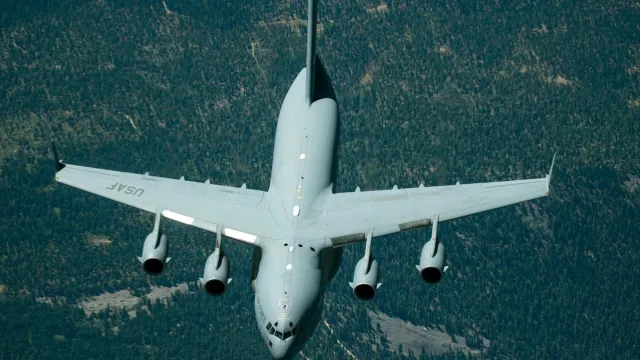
[
  {"x": 124, "y": 299},
  {"x": 97, "y": 240},
  {"x": 415, "y": 338},
  {"x": 163, "y": 293},
  {"x": 367, "y": 78},
  {"x": 633, "y": 184},
  {"x": 559, "y": 80},
  {"x": 380, "y": 9}
]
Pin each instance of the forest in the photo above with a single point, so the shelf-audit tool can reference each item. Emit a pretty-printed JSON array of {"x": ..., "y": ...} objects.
[{"x": 428, "y": 91}]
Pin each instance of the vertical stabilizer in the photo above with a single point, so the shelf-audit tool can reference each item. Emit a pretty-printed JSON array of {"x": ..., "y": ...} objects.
[{"x": 311, "y": 50}]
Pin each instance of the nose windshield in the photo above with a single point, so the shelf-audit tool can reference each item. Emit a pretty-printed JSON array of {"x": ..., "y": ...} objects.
[{"x": 282, "y": 335}]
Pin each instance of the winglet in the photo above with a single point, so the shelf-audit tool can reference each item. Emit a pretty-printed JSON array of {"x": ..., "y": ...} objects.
[
  {"x": 549, "y": 174},
  {"x": 59, "y": 164}
]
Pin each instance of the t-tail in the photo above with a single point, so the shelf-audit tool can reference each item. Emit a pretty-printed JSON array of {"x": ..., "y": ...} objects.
[{"x": 311, "y": 50}]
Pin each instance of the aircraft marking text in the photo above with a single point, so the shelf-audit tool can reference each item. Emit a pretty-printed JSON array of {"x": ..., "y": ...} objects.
[{"x": 128, "y": 190}]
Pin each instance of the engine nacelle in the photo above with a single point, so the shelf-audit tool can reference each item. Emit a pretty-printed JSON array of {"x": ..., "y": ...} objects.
[
  {"x": 154, "y": 253},
  {"x": 216, "y": 274},
  {"x": 432, "y": 261},
  {"x": 365, "y": 279}
]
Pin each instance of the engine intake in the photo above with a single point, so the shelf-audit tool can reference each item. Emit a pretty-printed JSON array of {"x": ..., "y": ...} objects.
[
  {"x": 216, "y": 274},
  {"x": 154, "y": 253},
  {"x": 432, "y": 261},
  {"x": 365, "y": 279}
]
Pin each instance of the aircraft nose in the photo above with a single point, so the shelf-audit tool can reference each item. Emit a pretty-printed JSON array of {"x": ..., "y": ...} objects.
[{"x": 281, "y": 350}]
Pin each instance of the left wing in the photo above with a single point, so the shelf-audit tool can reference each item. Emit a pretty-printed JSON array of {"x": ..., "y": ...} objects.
[
  {"x": 347, "y": 217},
  {"x": 242, "y": 214}
]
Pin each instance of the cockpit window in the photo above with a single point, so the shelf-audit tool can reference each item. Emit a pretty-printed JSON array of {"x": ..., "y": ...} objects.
[{"x": 287, "y": 334}]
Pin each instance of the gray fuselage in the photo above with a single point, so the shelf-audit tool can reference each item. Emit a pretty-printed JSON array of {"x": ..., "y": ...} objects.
[{"x": 294, "y": 271}]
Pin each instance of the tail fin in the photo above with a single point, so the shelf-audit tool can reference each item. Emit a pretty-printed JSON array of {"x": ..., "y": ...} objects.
[{"x": 311, "y": 50}]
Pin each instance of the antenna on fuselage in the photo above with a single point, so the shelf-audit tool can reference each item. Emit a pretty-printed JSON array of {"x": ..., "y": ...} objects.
[{"x": 311, "y": 50}]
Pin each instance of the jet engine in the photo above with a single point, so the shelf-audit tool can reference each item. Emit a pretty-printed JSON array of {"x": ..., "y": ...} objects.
[
  {"x": 154, "y": 253},
  {"x": 432, "y": 261},
  {"x": 365, "y": 279},
  {"x": 216, "y": 273}
]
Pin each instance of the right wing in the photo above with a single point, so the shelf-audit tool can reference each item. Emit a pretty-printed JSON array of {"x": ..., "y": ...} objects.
[{"x": 241, "y": 213}]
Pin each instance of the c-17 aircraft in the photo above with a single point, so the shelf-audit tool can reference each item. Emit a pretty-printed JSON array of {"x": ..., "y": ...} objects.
[{"x": 299, "y": 225}]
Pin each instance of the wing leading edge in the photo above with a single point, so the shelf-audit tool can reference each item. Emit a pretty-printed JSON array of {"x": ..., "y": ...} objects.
[
  {"x": 240, "y": 212},
  {"x": 347, "y": 217}
]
